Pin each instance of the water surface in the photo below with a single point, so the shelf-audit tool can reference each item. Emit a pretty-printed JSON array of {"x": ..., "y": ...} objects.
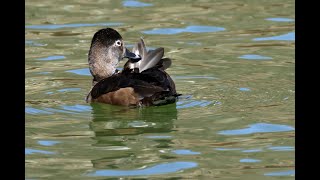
[{"x": 233, "y": 61}]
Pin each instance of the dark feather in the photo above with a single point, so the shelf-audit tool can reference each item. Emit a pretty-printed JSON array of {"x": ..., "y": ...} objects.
[
  {"x": 165, "y": 63},
  {"x": 151, "y": 85}
]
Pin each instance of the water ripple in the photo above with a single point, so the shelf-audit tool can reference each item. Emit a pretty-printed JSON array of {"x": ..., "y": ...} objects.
[
  {"x": 65, "y": 90},
  {"x": 192, "y": 103},
  {"x": 35, "y": 111},
  {"x": 32, "y": 43},
  {"x": 44, "y": 72},
  {"x": 47, "y": 142},
  {"x": 244, "y": 89},
  {"x": 254, "y": 57},
  {"x": 139, "y": 124},
  {"x": 77, "y": 108},
  {"x": 153, "y": 170},
  {"x": 158, "y": 137},
  {"x": 134, "y": 3},
  {"x": 185, "y": 152},
  {"x": 49, "y": 58},
  {"x": 249, "y": 160},
  {"x": 191, "y": 29},
  {"x": 228, "y": 149},
  {"x": 258, "y": 128},
  {"x": 69, "y": 89},
  {"x": 252, "y": 150},
  {"x": 33, "y": 151},
  {"x": 58, "y": 110},
  {"x": 59, "y": 26},
  {"x": 281, "y": 148},
  {"x": 281, "y": 173},
  {"x": 280, "y": 19},
  {"x": 83, "y": 71},
  {"x": 190, "y": 43},
  {"x": 67, "y": 109},
  {"x": 285, "y": 37}
]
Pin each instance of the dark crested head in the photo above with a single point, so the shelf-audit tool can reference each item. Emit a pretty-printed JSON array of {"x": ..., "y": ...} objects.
[
  {"x": 109, "y": 37},
  {"x": 106, "y": 36},
  {"x": 106, "y": 50}
]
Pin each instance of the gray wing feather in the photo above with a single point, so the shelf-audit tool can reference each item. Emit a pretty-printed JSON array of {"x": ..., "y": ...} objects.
[
  {"x": 151, "y": 59},
  {"x": 140, "y": 48}
]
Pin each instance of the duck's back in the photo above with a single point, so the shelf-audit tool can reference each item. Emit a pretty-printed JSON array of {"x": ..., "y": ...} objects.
[{"x": 150, "y": 87}]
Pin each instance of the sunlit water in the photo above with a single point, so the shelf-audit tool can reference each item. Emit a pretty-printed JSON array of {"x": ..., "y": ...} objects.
[{"x": 233, "y": 61}]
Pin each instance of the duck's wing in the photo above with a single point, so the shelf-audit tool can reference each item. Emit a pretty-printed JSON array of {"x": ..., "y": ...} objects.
[
  {"x": 141, "y": 87},
  {"x": 165, "y": 63},
  {"x": 151, "y": 59},
  {"x": 151, "y": 87},
  {"x": 140, "y": 50}
]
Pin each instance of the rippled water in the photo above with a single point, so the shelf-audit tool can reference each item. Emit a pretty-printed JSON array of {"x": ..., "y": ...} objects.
[{"x": 233, "y": 61}]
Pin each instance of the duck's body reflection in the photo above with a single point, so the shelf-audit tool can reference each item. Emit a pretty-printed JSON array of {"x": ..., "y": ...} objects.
[
  {"x": 110, "y": 120},
  {"x": 118, "y": 129}
]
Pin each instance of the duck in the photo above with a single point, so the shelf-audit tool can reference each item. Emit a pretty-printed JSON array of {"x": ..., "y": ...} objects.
[{"x": 142, "y": 81}]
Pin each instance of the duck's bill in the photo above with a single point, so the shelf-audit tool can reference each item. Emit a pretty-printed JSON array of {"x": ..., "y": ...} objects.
[{"x": 131, "y": 55}]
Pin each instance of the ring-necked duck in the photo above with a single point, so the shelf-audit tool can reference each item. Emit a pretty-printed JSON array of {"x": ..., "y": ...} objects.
[{"x": 143, "y": 80}]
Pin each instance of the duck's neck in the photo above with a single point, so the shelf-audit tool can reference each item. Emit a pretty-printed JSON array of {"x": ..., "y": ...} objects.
[{"x": 102, "y": 64}]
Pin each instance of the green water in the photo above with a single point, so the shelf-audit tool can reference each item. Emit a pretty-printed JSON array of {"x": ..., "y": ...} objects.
[{"x": 233, "y": 65}]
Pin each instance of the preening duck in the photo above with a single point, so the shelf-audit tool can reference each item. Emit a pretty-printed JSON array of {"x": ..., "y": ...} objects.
[{"x": 143, "y": 80}]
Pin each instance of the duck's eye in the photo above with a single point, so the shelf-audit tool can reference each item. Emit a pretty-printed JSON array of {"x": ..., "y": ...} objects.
[{"x": 118, "y": 43}]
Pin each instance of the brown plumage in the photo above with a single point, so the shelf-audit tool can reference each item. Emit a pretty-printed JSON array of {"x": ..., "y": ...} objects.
[{"x": 122, "y": 96}]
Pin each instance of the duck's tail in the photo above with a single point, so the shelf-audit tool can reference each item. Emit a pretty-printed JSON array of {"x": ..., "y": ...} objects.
[{"x": 160, "y": 98}]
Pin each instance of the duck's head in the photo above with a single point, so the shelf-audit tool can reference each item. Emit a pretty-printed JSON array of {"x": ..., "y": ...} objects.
[{"x": 107, "y": 49}]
